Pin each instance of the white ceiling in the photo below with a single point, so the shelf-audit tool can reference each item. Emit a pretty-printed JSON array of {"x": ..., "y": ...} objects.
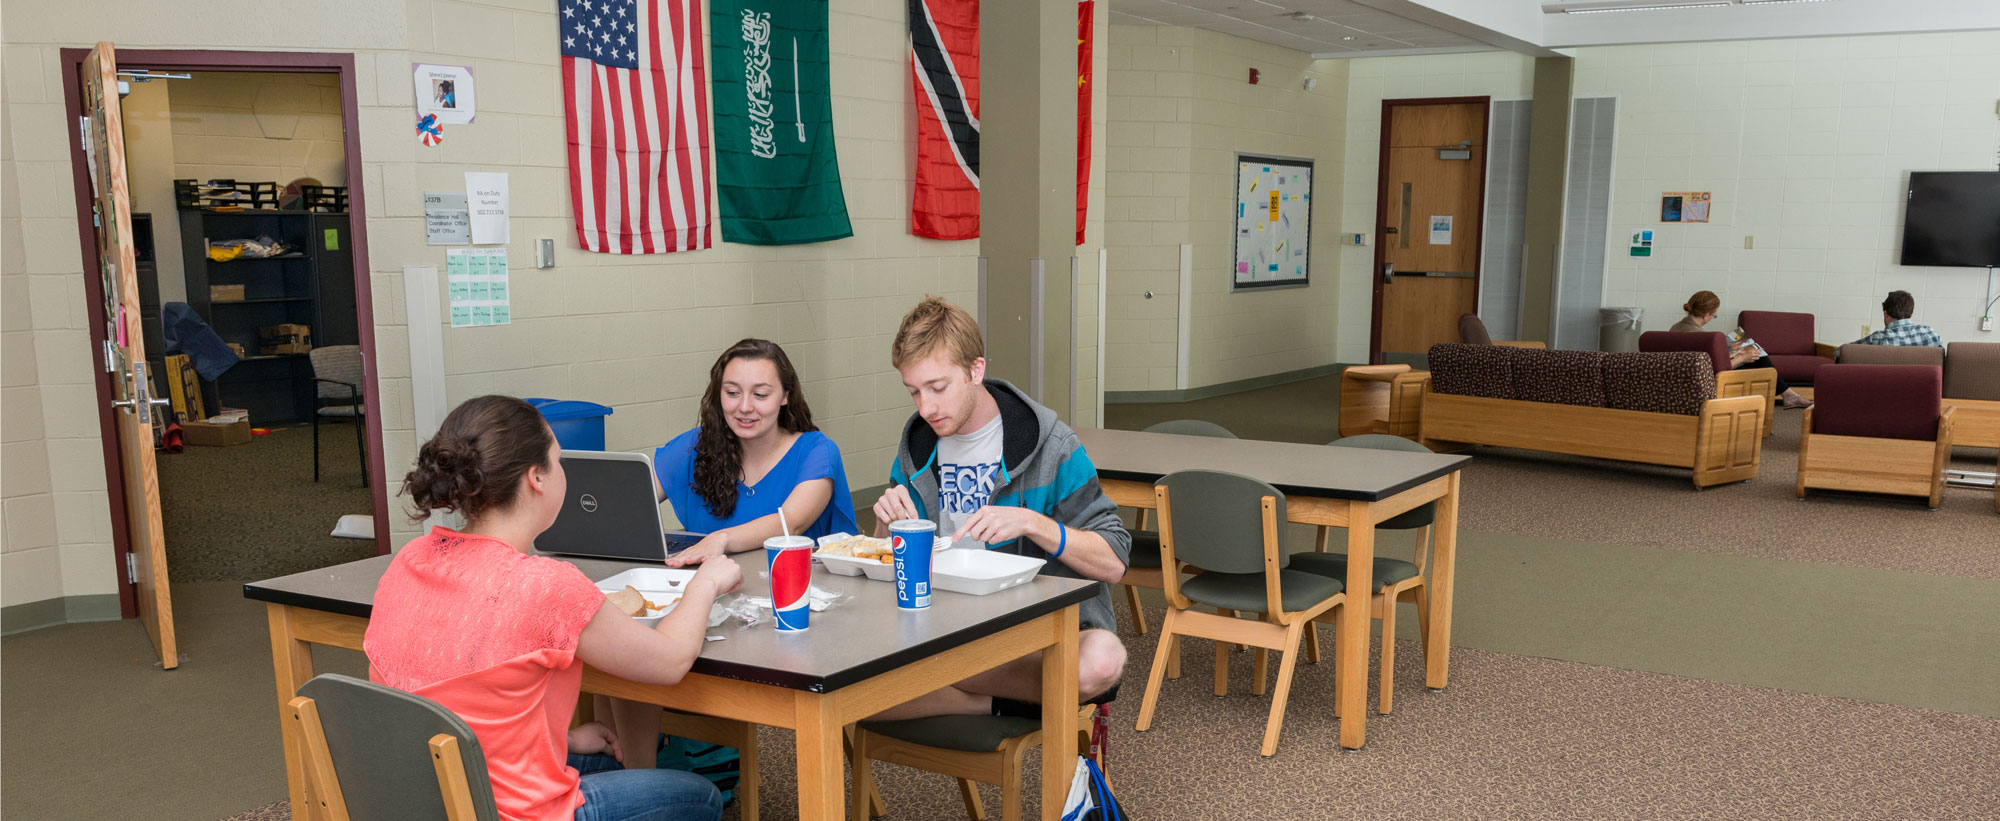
[
  {"x": 1371, "y": 28},
  {"x": 1334, "y": 28}
]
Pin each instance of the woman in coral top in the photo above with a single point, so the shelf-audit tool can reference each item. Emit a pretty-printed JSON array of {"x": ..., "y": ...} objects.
[{"x": 472, "y": 621}]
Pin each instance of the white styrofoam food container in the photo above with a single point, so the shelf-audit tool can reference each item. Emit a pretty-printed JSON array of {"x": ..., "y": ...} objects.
[
  {"x": 657, "y": 584},
  {"x": 850, "y": 566},
  {"x": 979, "y": 572}
]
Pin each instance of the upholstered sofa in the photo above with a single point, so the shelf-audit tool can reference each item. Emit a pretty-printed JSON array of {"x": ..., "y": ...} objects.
[
  {"x": 1788, "y": 338},
  {"x": 1971, "y": 382},
  {"x": 1760, "y": 381},
  {"x": 1656, "y": 408}
]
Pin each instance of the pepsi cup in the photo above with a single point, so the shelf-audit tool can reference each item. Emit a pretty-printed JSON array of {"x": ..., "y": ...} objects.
[
  {"x": 910, "y": 542},
  {"x": 790, "y": 559}
]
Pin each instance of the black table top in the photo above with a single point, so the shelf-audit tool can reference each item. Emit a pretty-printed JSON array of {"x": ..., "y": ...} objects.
[
  {"x": 1301, "y": 470},
  {"x": 855, "y": 639}
]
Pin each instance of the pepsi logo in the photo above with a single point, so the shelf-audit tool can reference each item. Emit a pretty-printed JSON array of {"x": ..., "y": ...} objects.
[
  {"x": 587, "y": 502},
  {"x": 895, "y": 543}
]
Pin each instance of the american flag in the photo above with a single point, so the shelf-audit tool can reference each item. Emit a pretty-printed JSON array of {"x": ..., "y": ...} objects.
[{"x": 635, "y": 104}]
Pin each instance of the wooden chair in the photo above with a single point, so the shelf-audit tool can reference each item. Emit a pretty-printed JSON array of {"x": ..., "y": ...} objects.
[
  {"x": 384, "y": 745},
  {"x": 1878, "y": 429},
  {"x": 982, "y": 749},
  {"x": 1217, "y": 527},
  {"x": 1382, "y": 399},
  {"x": 1144, "y": 568},
  {"x": 1396, "y": 581}
]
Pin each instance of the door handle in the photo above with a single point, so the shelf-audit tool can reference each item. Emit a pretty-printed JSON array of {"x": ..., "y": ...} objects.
[
  {"x": 142, "y": 402},
  {"x": 1388, "y": 272}
]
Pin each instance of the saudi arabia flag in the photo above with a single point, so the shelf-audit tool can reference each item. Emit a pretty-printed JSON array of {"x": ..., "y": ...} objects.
[{"x": 776, "y": 171}]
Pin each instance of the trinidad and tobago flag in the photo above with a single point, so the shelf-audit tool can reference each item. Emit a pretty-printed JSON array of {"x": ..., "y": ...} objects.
[{"x": 944, "y": 64}]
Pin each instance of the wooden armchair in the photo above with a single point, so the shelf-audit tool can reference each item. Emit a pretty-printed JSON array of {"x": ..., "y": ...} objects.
[
  {"x": 1877, "y": 429},
  {"x": 1382, "y": 399}
]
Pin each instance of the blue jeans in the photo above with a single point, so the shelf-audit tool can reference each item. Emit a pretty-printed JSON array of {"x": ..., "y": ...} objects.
[{"x": 613, "y": 793}]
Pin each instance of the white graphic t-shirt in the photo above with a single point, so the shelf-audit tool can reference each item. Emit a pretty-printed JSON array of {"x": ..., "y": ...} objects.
[{"x": 968, "y": 473}]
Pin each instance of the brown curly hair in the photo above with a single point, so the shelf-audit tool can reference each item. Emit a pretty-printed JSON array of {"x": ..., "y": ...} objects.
[
  {"x": 718, "y": 454},
  {"x": 474, "y": 463},
  {"x": 1702, "y": 303}
]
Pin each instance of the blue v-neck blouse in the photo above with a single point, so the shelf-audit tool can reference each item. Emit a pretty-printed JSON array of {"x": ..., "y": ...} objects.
[{"x": 811, "y": 456}]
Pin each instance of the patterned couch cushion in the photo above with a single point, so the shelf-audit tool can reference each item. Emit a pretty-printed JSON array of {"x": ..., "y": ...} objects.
[
  {"x": 1560, "y": 377},
  {"x": 1658, "y": 382},
  {"x": 1472, "y": 370}
]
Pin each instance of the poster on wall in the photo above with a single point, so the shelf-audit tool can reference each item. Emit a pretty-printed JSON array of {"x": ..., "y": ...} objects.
[
  {"x": 476, "y": 279},
  {"x": 1684, "y": 206},
  {"x": 445, "y": 92},
  {"x": 1273, "y": 222},
  {"x": 1642, "y": 242}
]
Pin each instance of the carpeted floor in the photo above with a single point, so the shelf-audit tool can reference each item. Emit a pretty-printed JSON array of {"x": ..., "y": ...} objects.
[{"x": 253, "y": 511}]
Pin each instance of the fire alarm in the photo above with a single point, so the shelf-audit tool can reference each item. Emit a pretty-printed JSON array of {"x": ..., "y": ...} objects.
[{"x": 1253, "y": 76}]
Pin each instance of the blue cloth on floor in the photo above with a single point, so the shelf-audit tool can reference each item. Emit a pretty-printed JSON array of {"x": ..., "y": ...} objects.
[
  {"x": 187, "y": 333},
  {"x": 722, "y": 766}
]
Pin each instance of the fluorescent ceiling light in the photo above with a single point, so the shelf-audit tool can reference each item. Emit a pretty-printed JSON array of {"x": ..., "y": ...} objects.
[
  {"x": 1643, "y": 8},
  {"x": 1775, "y": 2},
  {"x": 1610, "y": 6}
]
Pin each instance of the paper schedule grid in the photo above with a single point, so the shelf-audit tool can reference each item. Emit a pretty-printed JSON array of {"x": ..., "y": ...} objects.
[{"x": 476, "y": 282}]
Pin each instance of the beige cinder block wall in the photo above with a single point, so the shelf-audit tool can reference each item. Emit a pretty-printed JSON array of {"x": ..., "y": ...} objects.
[
  {"x": 1181, "y": 110},
  {"x": 256, "y": 126},
  {"x": 636, "y": 333}
]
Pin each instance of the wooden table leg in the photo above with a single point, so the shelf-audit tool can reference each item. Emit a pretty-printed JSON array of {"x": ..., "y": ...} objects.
[
  {"x": 822, "y": 787},
  {"x": 1351, "y": 651},
  {"x": 1059, "y": 697},
  {"x": 1444, "y": 559},
  {"x": 292, "y": 667}
]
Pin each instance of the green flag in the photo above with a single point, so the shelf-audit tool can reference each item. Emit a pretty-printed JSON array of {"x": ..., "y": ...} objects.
[{"x": 778, "y": 178}]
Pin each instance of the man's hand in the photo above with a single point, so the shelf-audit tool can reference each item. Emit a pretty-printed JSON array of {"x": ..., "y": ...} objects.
[
  {"x": 594, "y": 738},
  {"x": 894, "y": 506},
  {"x": 994, "y": 524},
  {"x": 709, "y": 547}
]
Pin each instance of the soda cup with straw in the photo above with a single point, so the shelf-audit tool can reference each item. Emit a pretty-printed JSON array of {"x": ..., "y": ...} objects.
[{"x": 790, "y": 560}]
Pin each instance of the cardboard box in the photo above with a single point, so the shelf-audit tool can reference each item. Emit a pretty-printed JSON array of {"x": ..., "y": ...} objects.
[
  {"x": 237, "y": 348},
  {"x": 284, "y": 339},
  {"x": 213, "y": 434},
  {"x": 183, "y": 388},
  {"x": 225, "y": 293}
]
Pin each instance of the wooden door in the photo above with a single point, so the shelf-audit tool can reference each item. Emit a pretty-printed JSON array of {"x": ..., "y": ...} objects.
[
  {"x": 1431, "y": 201},
  {"x": 125, "y": 354}
]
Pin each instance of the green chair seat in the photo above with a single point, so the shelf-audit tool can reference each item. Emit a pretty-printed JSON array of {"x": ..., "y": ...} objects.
[
  {"x": 1419, "y": 516},
  {"x": 1334, "y": 565},
  {"x": 1298, "y": 590},
  {"x": 1145, "y": 549},
  {"x": 973, "y": 734}
]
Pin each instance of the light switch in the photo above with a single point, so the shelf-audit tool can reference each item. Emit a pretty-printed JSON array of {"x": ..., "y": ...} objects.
[
  {"x": 1749, "y": 242},
  {"x": 545, "y": 253}
]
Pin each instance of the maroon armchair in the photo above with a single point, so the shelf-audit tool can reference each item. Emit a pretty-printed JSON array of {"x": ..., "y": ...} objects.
[
  {"x": 1876, "y": 428},
  {"x": 1728, "y": 382},
  {"x": 1788, "y": 338}
]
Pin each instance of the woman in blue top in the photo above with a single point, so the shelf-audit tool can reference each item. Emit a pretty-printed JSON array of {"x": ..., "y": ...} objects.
[{"x": 755, "y": 451}]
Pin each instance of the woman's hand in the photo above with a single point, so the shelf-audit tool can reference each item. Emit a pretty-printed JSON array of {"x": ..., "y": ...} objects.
[
  {"x": 710, "y": 546},
  {"x": 721, "y": 571},
  {"x": 595, "y": 738},
  {"x": 1740, "y": 356}
]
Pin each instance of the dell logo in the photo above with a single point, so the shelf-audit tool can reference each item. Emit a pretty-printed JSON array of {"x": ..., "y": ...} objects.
[{"x": 588, "y": 503}]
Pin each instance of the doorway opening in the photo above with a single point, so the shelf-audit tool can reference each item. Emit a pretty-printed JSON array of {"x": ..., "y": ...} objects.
[{"x": 250, "y": 282}]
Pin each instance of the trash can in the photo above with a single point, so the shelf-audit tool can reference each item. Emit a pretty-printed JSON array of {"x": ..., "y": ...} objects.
[
  {"x": 1618, "y": 329},
  {"x": 578, "y": 425}
]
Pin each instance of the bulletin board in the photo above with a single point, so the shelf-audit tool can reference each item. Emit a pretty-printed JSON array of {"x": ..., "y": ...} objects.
[{"x": 1273, "y": 222}]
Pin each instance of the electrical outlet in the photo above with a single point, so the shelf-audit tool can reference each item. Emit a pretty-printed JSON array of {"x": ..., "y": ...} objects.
[
  {"x": 1866, "y": 330},
  {"x": 1986, "y": 323}
]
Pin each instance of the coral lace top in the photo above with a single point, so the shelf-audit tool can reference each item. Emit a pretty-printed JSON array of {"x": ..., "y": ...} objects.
[{"x": 491, "y": 634}]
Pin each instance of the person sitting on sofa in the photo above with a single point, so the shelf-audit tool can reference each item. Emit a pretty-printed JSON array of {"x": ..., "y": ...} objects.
[
  {"x": 1701, "y": 309},
  {"x": 1897, "y": 329}
]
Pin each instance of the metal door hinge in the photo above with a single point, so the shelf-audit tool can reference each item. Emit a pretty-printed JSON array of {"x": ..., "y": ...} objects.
[{"x": 131, "y": 568}]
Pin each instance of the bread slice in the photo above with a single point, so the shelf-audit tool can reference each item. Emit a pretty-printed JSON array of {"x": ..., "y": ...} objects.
[{"x": 628, "y": 601}]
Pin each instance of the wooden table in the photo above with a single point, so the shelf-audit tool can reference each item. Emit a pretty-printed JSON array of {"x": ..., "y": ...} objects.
[
  {"x": 860, "y": 657},
  {"x": 1352, "y": 488}
]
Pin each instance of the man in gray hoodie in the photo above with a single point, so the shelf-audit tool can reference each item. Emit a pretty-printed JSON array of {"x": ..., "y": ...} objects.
[{"x": 992, "y": 466}]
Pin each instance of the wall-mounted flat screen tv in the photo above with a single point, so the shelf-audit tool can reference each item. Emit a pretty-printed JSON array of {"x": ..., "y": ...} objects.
[{"x": 1952, "y": 218}]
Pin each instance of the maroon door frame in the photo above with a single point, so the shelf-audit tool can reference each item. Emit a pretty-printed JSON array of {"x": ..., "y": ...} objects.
[
  {"x": 1382, "y": 206},
  {"x": 341, "y": 65}
]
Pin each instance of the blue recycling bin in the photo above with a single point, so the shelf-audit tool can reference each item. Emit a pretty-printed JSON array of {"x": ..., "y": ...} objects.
[{"x": 577, "y": 425}]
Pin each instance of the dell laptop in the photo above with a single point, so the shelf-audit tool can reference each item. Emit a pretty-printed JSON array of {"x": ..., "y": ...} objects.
[{"x": 611, "y": 510}]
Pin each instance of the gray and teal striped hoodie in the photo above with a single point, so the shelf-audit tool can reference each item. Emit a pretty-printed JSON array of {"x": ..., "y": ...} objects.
[{"x": 1043, "y": 468}]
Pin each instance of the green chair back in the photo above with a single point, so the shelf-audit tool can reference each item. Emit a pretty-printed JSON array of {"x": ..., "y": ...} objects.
[
  {"x": 1192, "y": 427},
  {"x": 1218, "y": 520},
  {"x": 379, "y": 739},
  {"x": 1408, "y": 520}
]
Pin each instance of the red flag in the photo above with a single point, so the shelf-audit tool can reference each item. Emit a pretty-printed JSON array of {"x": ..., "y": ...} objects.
[
  {"x": 944, "y": 65},
  {"x": 635, "y": 104},
  {"x": 1084, "y": 13}
]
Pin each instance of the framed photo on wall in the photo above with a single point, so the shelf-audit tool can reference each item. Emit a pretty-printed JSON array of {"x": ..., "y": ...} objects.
[{"x": 1273, "y": 223}]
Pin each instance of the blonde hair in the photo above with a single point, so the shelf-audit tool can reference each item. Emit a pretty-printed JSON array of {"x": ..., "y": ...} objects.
[{"x": 932, "y": 323}]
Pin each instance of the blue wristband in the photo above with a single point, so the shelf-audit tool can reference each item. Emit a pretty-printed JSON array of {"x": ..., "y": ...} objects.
[{"x": 1062, "y": 540}]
